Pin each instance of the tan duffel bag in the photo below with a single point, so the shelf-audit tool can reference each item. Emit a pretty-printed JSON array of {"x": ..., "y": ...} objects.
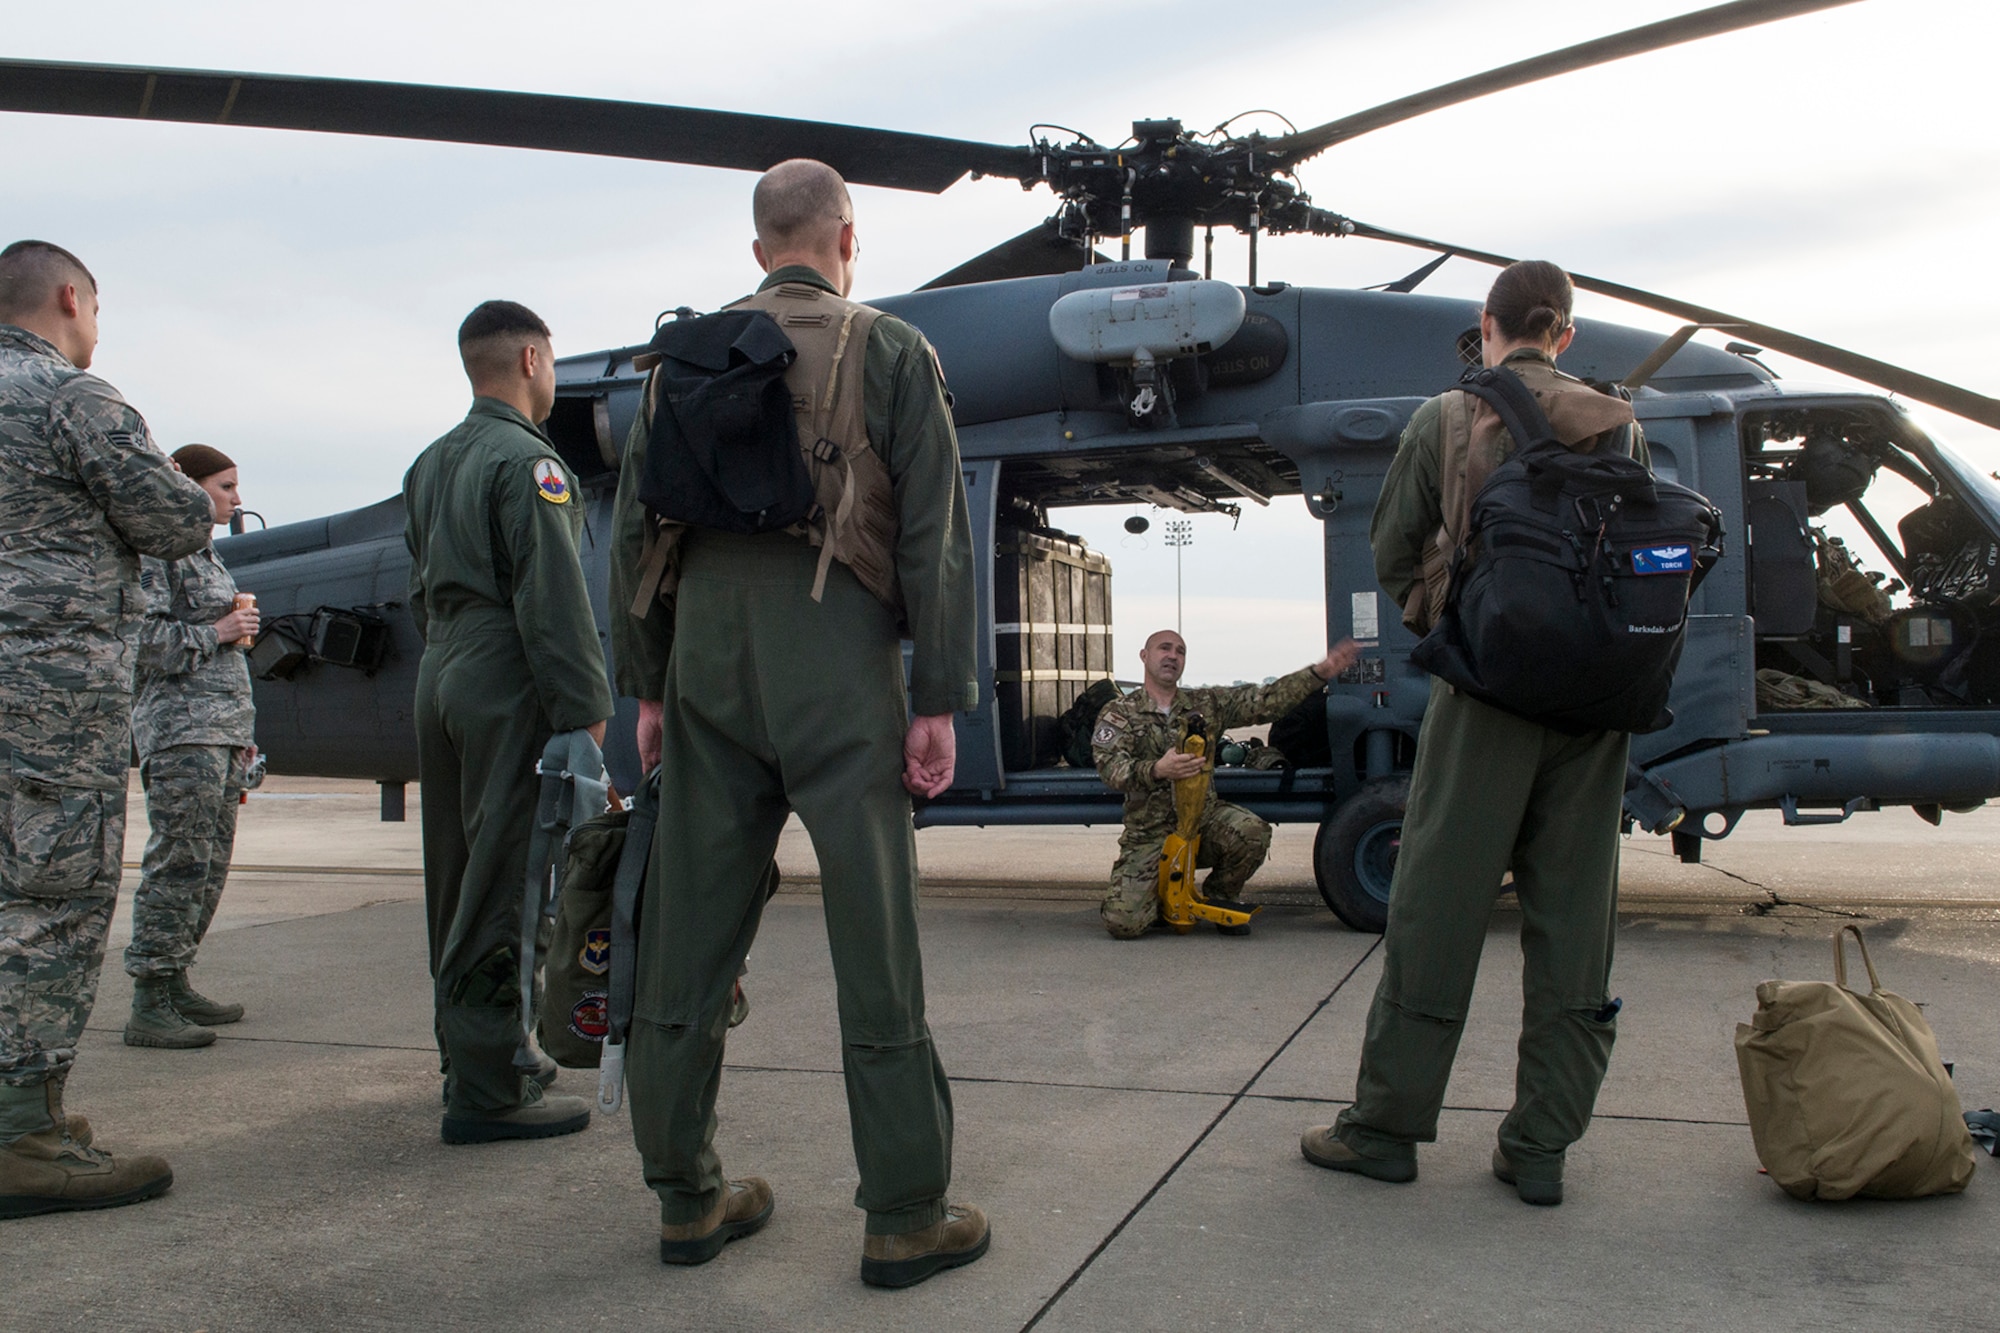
[{"x": 1846, "y": 1092}]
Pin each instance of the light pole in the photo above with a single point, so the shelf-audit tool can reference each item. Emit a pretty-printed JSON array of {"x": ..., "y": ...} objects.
[{"x": 1180, "y": 534}]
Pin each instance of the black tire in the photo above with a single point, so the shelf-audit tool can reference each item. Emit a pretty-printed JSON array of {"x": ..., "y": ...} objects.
[{"x": 1354, "y": 856}]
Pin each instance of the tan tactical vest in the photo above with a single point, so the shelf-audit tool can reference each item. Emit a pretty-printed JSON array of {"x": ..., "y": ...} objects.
[
  {"x": 1472, "y": 442},
  {"x": 856, "y": 519}
]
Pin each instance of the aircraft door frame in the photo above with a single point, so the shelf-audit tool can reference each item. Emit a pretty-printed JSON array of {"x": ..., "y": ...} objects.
[{"x": 979, "y": 765}]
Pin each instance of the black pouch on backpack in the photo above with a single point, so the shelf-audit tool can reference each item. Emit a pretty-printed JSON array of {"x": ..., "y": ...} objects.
[
  {"x": 724, "y": 448},
  {"x": 1569, "y": 594}
]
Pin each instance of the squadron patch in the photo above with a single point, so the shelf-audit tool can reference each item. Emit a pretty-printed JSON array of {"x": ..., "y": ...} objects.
[
  {"x": 590, "y": 1017},
  {"x": 1105, "y": 734},
  {"x": 595, "y": 956},
  {"x": 550, "y": 483}
]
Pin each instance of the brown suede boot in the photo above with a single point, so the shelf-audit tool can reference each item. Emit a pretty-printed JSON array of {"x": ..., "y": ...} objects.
[
  {"x": 49, "y": 1171},
  {"x": 905, "y": 1260},
  {"x": 1322, "y": 1147},
  {"x": 744, "y": 1208}
]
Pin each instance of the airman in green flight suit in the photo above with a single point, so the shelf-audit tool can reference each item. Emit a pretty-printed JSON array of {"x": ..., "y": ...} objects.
[
  {"x": 511, "y": 657},
  {"x": 1490, "y": 792},
  {"x": 762, "y": 695}
]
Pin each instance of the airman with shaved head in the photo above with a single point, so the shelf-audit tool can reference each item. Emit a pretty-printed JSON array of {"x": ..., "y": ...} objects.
[
  {"x": 784, "y": 690},
  {"x": 1136, "y": 744},
  {"x": 802, "y": 207},
  {"x": 87, "y": 495},
  {"x": 511, "y": 658}
]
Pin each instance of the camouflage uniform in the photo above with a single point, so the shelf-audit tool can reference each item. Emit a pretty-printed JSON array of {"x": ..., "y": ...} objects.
[
  {"x": 1132, "y": 733},
  {"x": 87, "y": 493},
  {"x": 191, "y": 722}
]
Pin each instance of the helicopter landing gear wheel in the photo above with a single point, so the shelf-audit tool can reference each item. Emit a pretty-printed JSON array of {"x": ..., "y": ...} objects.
[{"x": 1354, "y": 855}]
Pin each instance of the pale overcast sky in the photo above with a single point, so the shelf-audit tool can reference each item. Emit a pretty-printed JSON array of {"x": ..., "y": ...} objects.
[{"x": 291, "y": 298}]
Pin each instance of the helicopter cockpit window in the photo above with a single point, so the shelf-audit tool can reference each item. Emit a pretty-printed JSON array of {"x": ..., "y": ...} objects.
[{"x": 1872, "y": 572}]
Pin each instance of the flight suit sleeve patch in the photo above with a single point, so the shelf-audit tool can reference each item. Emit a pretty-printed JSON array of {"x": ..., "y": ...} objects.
[{"x": 551, "y": 482}]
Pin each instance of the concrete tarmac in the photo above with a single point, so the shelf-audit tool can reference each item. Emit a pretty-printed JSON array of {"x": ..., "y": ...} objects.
[{"x": 1128, "y": 1114}]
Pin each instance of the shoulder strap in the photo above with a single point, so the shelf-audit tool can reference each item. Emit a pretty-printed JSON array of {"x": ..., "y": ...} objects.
[
  {"x": 660, "y": 536},
  {"x": 844, "y": 392},
  {"x": 1514, "y": 403},
  {"x": 840, "y": 418}
]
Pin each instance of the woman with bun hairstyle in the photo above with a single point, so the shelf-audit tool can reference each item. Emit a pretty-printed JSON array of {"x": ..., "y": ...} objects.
[
  {"x": 1490, "y": 792},
  {"x": 193, "y": 727}
]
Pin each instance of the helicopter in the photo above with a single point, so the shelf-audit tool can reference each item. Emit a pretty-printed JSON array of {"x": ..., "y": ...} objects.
[{"x": 1240, "y": 395}]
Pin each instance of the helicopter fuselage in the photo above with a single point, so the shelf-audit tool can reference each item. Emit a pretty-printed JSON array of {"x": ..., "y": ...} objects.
[{"x": 1304, "y": 405}]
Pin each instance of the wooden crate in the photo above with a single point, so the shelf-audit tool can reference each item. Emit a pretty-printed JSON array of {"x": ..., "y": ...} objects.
[{"x": 1052, "y": 638}]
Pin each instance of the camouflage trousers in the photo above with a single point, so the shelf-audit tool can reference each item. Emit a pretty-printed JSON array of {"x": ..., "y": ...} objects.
[
  {"x": 59, "y": 865},
  {"x": 192, "y": 792},
  {"x": 1234, "y": 843}
]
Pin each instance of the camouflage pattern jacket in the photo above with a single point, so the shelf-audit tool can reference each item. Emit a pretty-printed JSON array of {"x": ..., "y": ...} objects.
[
  {"x": 192, "y": 690},
  {"x": 1132, "y": 733},
  {"x": 87, "y": 494}
]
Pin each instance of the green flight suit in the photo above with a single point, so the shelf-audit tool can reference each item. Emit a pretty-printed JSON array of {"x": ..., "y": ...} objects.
[
  {"x": 772, "y": 703},
  {"x": 1132, "y": 734},
  {"x": 511, "y": 656},
  {"x": 1490, "y": 791}
]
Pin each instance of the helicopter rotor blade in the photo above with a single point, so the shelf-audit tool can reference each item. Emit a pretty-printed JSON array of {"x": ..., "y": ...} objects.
[
  {"x": 1920, "y": 388},
  {"x": 592, "y": 125},
  {"x": 1296, "y": 148},
  {"x": 1036, "y": 252}
]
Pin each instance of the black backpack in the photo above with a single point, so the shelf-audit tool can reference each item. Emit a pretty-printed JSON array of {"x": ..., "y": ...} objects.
[
  {"x": 1300, "y": 735},
  {"x": 1569, "y": 592},
  {"x": 1079, "y": 720},
  {"x": 724, "y": 448}
]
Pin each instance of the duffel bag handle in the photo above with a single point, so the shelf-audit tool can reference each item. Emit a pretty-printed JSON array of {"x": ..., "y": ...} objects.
[{"x": 1840, "y": 958}]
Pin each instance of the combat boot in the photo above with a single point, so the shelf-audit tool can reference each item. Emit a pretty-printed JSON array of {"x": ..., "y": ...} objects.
[
  {"x": 47, "y": 1170},
  {"x": 539, "y": 1116},
  {"x": 957, "y": 1239},
  {"x": 745, "y": 1206},
  {"x": 544, "y": 1073},
  {"x": 156, "y": 1022},
  {"x": 1322, "y": 1147},
  {"x": 25, "y": 1116},
  {"x": 195, "y": 1007},
  {"x": 1545, "y": 1191}
]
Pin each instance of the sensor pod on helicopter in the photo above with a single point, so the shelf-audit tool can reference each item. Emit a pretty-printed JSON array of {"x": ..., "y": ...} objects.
[
  {"x": 1154, "y": 322},
  {"x": 1145, "y": 325}
]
